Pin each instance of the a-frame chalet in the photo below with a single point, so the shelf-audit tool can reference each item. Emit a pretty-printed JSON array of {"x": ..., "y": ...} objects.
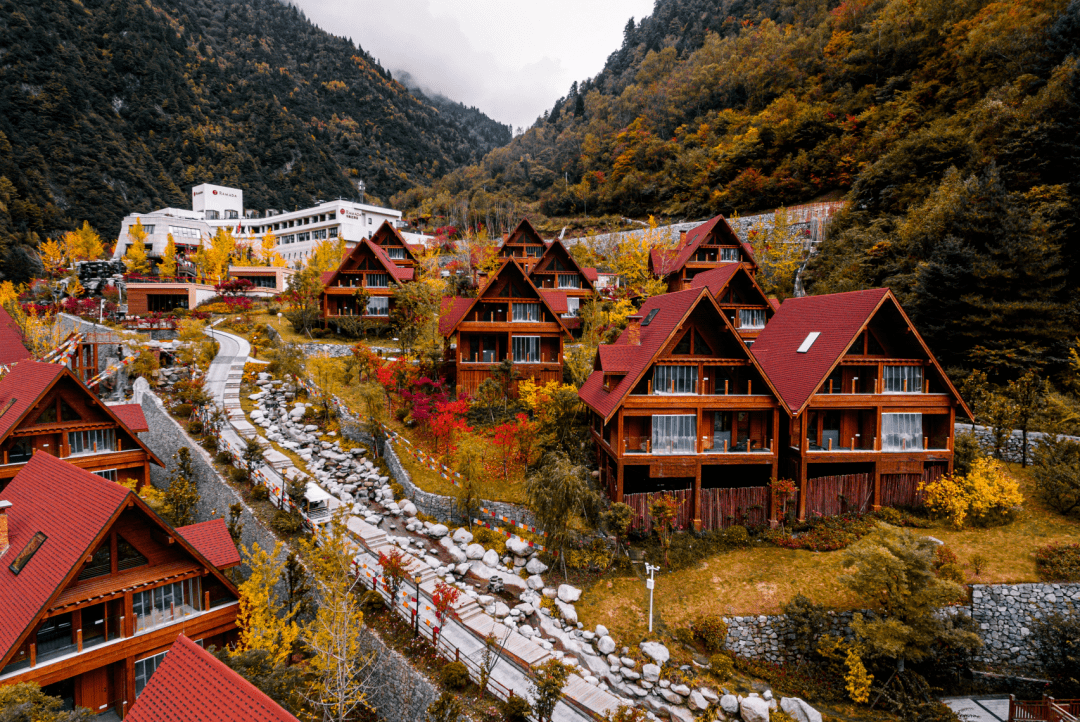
[
  {"x": 397, "y": 249},
  {"x": 704, "y": 247},
  {"x": 366, "y": 268},
  {"x": 872, "y": 411},
  {"x": 679, "y": 404},
  {"x": 743, "y": 301},
  {"x": 523, "y": 244},
  {"x": 95, "y": 587},
  {"x": 46, "y": 409},
  {"x": 510, "y": 319},
  {"x": 558, "y": 271}
]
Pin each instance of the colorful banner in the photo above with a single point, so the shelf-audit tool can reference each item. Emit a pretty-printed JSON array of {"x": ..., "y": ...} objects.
[{"x": 113, "y": 368}]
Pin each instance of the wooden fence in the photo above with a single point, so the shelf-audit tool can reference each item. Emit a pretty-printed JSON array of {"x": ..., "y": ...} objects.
[
  {"x": 720, "y": 508},
  {"x": 832, "y": 495},
  {"x": 903, "y": 489},
  {"x": 1046, "y": 709}
]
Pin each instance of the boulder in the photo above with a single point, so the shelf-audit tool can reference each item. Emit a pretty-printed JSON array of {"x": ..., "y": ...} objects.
[
  {"x": 681, "y": 689},
  {"x": 463, "y": 536},
  {"x": 474, "y": 551},
  {"x": 799, "y": 710},
  {"x": 438, "y": 531},
  {"x": 670, "y": 697},
  {"x": 501, "y": 610},
  {"x": 535, "y": 566},
  {"x": 408, "y": 508},
  {"x": 698, "y": 701},
  {"x": 518, "y": 547},
  {"x": 651, "y": 672},
  {"x": 605, "y": 644},
  {"x": 456, "y": 554},
  {"x": 535, "y": 582},
  {"x": 729, "y": 703},
  {"x": 491, "y": 558},
  {"x": 567, "y": 611},
  {"x": 680, "y": 714},
  {"x": 754, "y": 709},
  {"x": 656, "y": 652},
  {"x": 568, "y": 593},
  {"x": 709, "y": 694},
  {"x": 447, "y": 543},
  {"x": 601, "y": 630}
]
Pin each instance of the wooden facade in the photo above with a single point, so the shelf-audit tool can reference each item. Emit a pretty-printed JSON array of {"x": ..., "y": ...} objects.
[
  {"x": 558, "y": 271},
  {"x": 45, "y": 408},
  {"x": 708, "y": 246},
  {"x": 397, "y": 249},
  {"x": 740, "y": 298},
  {"x": 680, "y": 404},
  {"x": 523, "y": 244},
  {"x": 120, "y": 590},
  {"x": 509, "y": 320},
  {"x": 150, "y": 297},
  {"x": 264, "y": 280},
  {"x": 366, "y": 269}
]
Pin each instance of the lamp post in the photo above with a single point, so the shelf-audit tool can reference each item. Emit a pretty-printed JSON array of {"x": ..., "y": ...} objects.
[
  {"x": 416, "y": 612},
  {"x": 650, "y": 583}
]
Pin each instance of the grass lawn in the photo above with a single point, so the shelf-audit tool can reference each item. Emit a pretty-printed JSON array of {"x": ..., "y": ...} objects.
[{"x": 759, "y": 580}]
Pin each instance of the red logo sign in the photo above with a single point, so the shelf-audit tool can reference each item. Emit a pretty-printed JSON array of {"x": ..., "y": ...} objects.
[
  {"x": 215, "y": 192},
  {"x": 341, "y": 212}
]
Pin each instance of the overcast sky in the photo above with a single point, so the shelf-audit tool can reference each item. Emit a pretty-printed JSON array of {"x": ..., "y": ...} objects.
[{"x": 510, "y": 58}]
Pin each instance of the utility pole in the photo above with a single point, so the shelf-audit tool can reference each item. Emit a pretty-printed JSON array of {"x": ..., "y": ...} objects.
[{"x": 650, "y": 583}]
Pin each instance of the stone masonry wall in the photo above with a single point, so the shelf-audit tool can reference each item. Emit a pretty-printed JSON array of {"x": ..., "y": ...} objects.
[
  {"x": 1013, "y": 443},
  {"x": 395, "y": 688},
  {"x": 1005, "y": 615},
  {"x": 768, "y": 637}
]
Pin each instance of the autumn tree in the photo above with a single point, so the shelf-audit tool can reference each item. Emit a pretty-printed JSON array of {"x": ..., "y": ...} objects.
[
  {"x": 167, "y": 267},
  {"x": 267, "y": 253},
  {"x": 26, "y": 702},
  {"x": 1028, "y": 393},
  {"x": 415, "y": 308},
  {"x": 298, "y": 600},
  {"x": 547, "y": 681},
  {"x": 135, "y": 255},
  {"x": 213, "y": 259},
  {"x": 182, "y": 495},
  {"x": 664, "y": 511},
  {"x": 264, "y": 621},
  {"x": 84, "y": 244},
  {"x": 1056, "y": 471},
  {"x": 302, "y": 298},
  {"x": 778, "y": 251},
  {"x": 443, "y": 600},
  {"x": 558, "y": 492},
  {"x": 326, "y": 256}
]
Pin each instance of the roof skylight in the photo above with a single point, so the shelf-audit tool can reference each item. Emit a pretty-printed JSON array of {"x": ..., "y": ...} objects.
[
  {"x": 808, "y": 341},
  {"x": 650, "y": 317},
  {"x": 27, "y": 553}
]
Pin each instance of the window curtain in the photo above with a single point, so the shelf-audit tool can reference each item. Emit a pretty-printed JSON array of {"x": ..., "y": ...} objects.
[
  {"x": 752, "y": 318},
  {"x": 378, "y": 280},
  {"x": 526, "y": 349},
  {"x": 573, "y": 305},
  {"x": 900, "y": 432},
  {"x": 675, "y": 380},
  {"x": 674, "y": 434},
  {"x": 569, "y": 280},
  {"x": 378, "y": 306},
  {"x": 526, "y": 311},
  {"x": 896, "y": 376},
  {"x": 83, "y": 442},
  {"x": 729, "y": 254}
]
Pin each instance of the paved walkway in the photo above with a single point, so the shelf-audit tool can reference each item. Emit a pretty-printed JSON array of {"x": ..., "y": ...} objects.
[{"x": 979, "y": 709}]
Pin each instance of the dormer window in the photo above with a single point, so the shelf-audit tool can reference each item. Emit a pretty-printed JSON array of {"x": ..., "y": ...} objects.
[{"x": 729, "y": 255}]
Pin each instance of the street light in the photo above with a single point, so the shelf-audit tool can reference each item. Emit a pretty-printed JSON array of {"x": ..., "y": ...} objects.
[
  {"x": 649, "y": 584},
  {"x": 416, "y": 612}
]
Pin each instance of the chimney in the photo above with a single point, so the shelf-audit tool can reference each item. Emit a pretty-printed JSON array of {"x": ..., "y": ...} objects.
[
  {"x": 633, "y": 330},
  {"x": 682, "y": 236},
  {"x": 4, "y": 506}
]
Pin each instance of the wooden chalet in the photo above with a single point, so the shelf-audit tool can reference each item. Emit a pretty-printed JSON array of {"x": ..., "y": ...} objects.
[
  {"x": 366, "y": 268},
  {"x": 45, "y": 408},
  {"x": 743, "y": 301},
  {"x": 191, "y": 684},
  {"x": 705, "y": 247},
  {"x": 398, "y": 250},
  {"x": 95, "y": 588},
  {"x": 510, "y": 319},
  {"x": 679, "y": 404},
  {"x": 11, "y": 341},
  {"x": 558, "y": 271},
  {"x": 871, "y": 410},
  {"x": 523, "y": 244}
]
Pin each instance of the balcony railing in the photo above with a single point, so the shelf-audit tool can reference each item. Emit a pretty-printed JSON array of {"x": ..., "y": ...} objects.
[
  {"x": 686, "y": 446},
  {"x": 856, "y": 444}
]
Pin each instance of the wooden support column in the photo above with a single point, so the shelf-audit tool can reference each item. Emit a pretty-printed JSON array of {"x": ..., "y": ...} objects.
[
  {"x": 804, "y": 448},
  {"x": 775, "y": 449},
  {"x": 695, "y": 498},
  {"x": 951, "y": 437},
  {"x": 876, "y": 503}
]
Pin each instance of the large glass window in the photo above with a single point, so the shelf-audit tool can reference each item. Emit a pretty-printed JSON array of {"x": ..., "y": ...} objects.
[
  {"x": 396, "y": 253},
  {"x": 674, "y": 434},
  {"x": 95, "y": 441},
  {"x": 900, "y": 432},
  {"x": 573, "y": 306},
  {"x": 729, "y": 254},
  {"x": 144, "y": 669},
  {"x": 903, "y": 379},
  {"x": 378, "y": 280},
  {"x": 526, "y": 311},
  {"x": 752, "y": 318},
  {"x": 183, "y": 232},
  {"x": 526, "y": 349},
  {"x": 165, "y": 604},
  {"x": 569, "y": 280},
  {"x": 378, "y": 306},
  {"x": 675, "y": 380}
]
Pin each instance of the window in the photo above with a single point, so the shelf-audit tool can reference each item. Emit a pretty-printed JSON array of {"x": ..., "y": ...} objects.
[
  {"x": 675, "y": 380},
  {"x": 534, "y": 251},
  {"x": 232, "y": 215},
  {"x": 301, "y": 237},
  {"x": 19, "y": 452},
  {"x": 569, "y": 280},
  {"x": 397, "y": 253},
  {"x": 183, "y": 232},
  {"x": 526, "y": 349},
  {"x": 149, "y": 230},
  {"x": 48, "y": 416},
  {"x": 27, "y": 553},
  {"x": 526, "y": 312},
  {"x": 165, "y": 604},
  {"x": 903, "y": 379},
  {"x": 333, "y": 232},
  {"x": 730, "y": 255},
  {"x": 751, "y": 318},
  {"x": 573, "y": 305},
  {"x": 144, "y": 668},
  {"x": 650, "y": 317},
  {"x": 369, "y": 220},
  {"x": 319, "y": 235},
  {"x": 378, "y": 306},
  {"x": 808, "y": 342},
  {"x": 674, "y": 434},
  {"x": 900, "y": 432},
  {"x": 109, "y": 474},
  {"x": 99, "y": 565},
  {"x": 288, "y": 239},
  {"x": 212, "y": 215},
  {"x": 127, "y": 556},
  {"x": 378, "y": 280},
  {"x": 66, "y": 412},
  {"x": 92, "y": 442}
]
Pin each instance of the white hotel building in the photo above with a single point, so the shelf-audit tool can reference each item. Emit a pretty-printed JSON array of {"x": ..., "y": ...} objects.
[{"x": 297, "y": 232}]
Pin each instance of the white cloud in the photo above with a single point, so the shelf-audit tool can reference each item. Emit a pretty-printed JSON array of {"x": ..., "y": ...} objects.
[{"x": 510, "y": 58}]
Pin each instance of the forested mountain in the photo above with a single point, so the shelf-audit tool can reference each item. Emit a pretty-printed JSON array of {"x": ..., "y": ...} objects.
[
  {"x": 952, "y": 126},
  {"x": 110, "y": 106}
]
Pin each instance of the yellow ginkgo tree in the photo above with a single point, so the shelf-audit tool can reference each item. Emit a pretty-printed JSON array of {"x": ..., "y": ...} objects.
[
  {"x": 84, "y": 244},
  {"x": 263, "y": 623},
  {"x": 135, "y": 255},
  {"x": 167, "y": 267}
]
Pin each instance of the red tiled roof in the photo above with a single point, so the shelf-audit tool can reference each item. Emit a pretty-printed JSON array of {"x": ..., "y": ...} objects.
[
  {"x": 666, "y": 261},
  {"x": 585, "y": 272},
  {"x": 325, "y": 277},
  {"x": 452, "y": 314},
  {"x": 71, "y": 507},
  {"x": 616, "y": 359},
  {"x": 132, "y": 416},
  {"x": 774, "y": 302},
  {"x": 452, "y": 311},
  {"x": 716, "y": 279},
  {"x": 590, "y": 274},
  {"x": 555, "y": 299},
  {"x": 399, "y": 273},
  {"x": 212, "y": 540},
  {"x": 191, "y": 685},
  {"x": 21, "y": 388},
  {"x": 837, "y": 317},
  {"x": 11, "y": 345}
]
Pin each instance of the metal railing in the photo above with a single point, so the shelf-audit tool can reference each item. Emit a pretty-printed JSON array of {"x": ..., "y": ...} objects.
[{"x": 1046, "y": 709}]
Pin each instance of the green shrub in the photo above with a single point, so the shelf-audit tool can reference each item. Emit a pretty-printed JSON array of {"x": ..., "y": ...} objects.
[
  {"x": 223, "y": 457},
  {"x": 259, "y": 493},
  {"x": 454, "y": 676},
  {"x": 195, "y": 427},
  {"x": 239, "y": 476},
  {"x": 1058, "y": 644},
  {"x": 736, "y": 536},
  {"x": 515, "y": 709},
  {"x": 286, "y": 523},
  {"x": 712, "y": 631},
  {"x": 684, "y": 635},
  {"x": 398, "y": 491},
  {"x": 371, "y": 601},
  {"x": 722, "y": 666},
  {"x": 1058, "y": 562},
  {"x": 182, "y": 410},
  {"x": 319, "y": 333}
]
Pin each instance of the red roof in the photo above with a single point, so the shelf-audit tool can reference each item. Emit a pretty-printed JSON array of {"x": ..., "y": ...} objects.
[
  {"x": 837, "y": 317},
  {"x": 212, "y": 540},
  {"x": 11, "y": 345},
  {"x": 453, "y": 309},
  {"x": 70, "y": 507},
  {"x": 400, "y": 274},
  {"x": 191, "y": 685},
  {"x": 590, "y": 274},
  {"x": 325, "y": 277},
  {"x": 21, "y": 388},
  {"x": 132, "y": 416},
  {"x": 668, "y": 261},
  {"x": 716, "y": 279},
  {"x": 555, "y": 299}
]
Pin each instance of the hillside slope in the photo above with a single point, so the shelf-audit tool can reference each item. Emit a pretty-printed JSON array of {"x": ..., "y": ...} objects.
[{"x": 109, "y": 106}]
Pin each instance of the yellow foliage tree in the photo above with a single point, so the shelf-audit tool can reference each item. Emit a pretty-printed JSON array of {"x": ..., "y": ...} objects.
[
  {"x": 985, "y": 493},
  {"x": 135, "y": 256},
  {"x": 856, "y": 678},
  {"x": 630, "y": 259},
  {"x": 263, "y": 623},
  {"x": 75, "y": 287},
  {"x": 537, "y": 397},
  {"x": 779, "y": 251},
  {"x": 268, "y": 253},
  {"x": 327, "y": 255},
  {"x": 167, "y": 269},
  {"x": 84, "y": 244},
  {"x": 154, "y": 497},
  {"x": 41, "y": 334},
  {"x": 216, "y": 256},
  {"x": 53, "y": 256}
]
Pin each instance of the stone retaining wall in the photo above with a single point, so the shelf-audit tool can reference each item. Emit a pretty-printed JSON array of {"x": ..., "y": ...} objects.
[
  {"x": 1013, "y": 443},
  {"x": 1006, "y": 613},
  {"x": 768, "y": 637},
  {"x": 395, "y": 688}
]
